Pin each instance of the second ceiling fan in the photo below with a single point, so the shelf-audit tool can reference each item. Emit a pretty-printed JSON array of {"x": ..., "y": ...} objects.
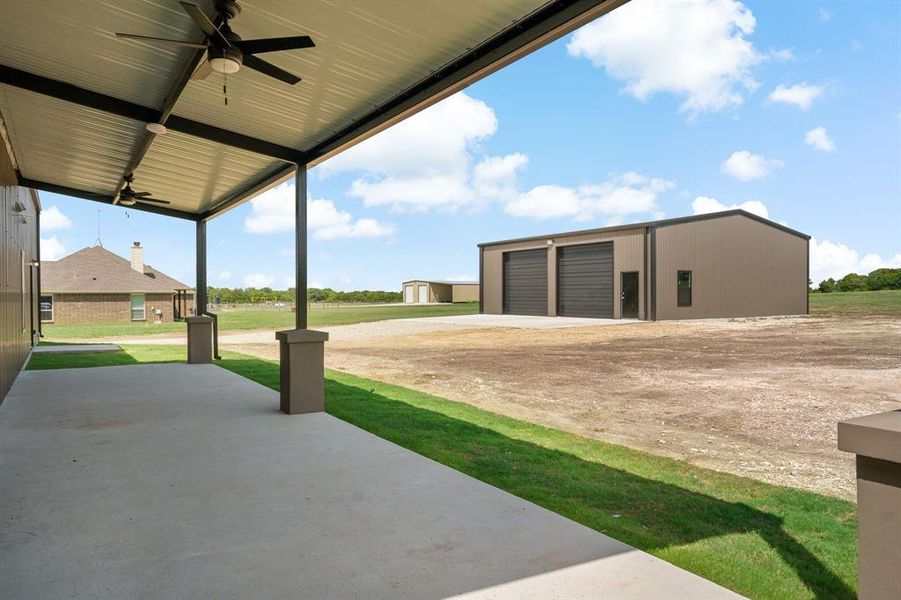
[{"x": 226, "y": 51}]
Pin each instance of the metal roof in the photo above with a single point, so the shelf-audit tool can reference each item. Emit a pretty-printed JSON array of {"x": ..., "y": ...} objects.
[
  {"x": 658, "y": 223},
  {"x": 75, "y": 99}
]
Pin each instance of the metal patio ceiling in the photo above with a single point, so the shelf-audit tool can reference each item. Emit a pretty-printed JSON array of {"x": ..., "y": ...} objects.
[{"x": 74, "y": 99}]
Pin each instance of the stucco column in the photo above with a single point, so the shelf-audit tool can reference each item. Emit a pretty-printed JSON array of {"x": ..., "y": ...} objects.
[
  {"x": 302, "y": 370},
  {"x": 200, "y": 340},
  {"x": 876, "y": 440}
]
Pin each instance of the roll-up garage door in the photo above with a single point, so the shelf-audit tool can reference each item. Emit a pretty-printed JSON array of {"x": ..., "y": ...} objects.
[
  {"x": 585, "y": 280},
  {"x": 525, "y": 282}
]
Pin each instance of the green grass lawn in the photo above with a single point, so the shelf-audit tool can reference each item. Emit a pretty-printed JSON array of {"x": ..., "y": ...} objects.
[
  {"x": 266, "y": 319},
  {"x": 760, "y": 540},
  {"x": 885, "y": 303}
]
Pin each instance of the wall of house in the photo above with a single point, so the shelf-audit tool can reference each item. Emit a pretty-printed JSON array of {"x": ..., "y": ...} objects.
[
  {"x": 740, "y": 268},
  {"x": 18, "y": 248},
  {"x": 628, "y": 255},
  {"x": 83, "y": 309}
]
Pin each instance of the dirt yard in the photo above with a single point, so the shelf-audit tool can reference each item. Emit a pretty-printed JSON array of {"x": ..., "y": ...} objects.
[{"x": 754, "y": 397}]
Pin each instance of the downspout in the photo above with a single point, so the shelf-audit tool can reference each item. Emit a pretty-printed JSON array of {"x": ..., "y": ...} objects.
[
  {"x": 644, "y": 270},
  {"x": 481, "y": 280},
  {"x": 653, "y": 259},
  {"x": 37, "y": 242}
]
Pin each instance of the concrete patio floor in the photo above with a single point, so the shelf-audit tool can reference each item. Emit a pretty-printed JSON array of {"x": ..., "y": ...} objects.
[{"x": 183, "y": 481}]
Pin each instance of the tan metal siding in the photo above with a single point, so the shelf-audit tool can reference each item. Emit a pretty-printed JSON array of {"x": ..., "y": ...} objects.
[
  {"x": 465, "y": 292},
  {"x": 628, "y": 255},
  {"x": 740, "y": 268},
  {"x": 18, "y": 307}
]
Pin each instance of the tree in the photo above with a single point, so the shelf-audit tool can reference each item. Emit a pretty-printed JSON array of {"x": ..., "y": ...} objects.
[
  {"x": 827, "y": 286},
  {"x": 884, "y": 279},
  {"x": 852, "y": 282}
]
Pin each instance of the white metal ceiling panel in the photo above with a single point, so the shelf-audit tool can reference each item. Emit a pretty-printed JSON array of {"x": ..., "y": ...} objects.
[
  {"x": 194, "y": 174},
  {"x": 66, "y": 144},
  {"x": 365, "y": 54},
  {"x": 74, "y": 41}
]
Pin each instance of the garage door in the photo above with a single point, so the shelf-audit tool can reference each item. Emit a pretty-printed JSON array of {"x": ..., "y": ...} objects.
[
  {"x": 525, "y": 282},
  {"x": 585, "y": 280}
]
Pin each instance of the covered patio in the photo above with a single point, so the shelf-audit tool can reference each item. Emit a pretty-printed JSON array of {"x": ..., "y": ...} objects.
[{"x": 184, "y": 481}]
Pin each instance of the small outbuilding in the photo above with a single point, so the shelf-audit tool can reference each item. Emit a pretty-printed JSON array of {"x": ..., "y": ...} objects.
[
  {"x": 421, "y": 291},
  {"x": 726, "y": 264}
]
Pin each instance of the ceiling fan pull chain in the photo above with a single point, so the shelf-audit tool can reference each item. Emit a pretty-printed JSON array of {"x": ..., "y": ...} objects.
[{"x": 225, "y": 87}]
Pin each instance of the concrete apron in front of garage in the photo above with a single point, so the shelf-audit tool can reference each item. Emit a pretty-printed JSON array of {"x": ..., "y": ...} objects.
[
  {"x": 522, "y": 321},
  {"x": 185, "y": 481}
]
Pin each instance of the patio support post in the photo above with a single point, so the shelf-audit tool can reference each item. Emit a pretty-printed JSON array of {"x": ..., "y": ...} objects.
[
  {"x": 301, "y": 350},
  {"x": 876, "y": 440},
  {"x": 200, "y": 327}
]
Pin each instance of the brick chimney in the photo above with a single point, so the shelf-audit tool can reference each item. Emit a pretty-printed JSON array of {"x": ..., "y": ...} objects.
[{"x": 137, "y": 258}]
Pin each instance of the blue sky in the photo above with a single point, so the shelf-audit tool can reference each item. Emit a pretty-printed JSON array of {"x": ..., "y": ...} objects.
[{"x": 789, "y": 109}]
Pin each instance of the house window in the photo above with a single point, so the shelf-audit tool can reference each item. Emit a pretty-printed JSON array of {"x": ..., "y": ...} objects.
[
  {"x": 683, "y": 288},
  {"x": 137, "y": 307},
  {"x": 46, "y": 309}
]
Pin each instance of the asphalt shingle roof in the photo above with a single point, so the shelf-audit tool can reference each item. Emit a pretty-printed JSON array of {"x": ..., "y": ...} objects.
[{"x": 97, "y": 270}]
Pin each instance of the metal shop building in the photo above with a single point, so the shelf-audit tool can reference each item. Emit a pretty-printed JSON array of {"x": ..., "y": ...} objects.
[
  {"x": 421, "y": 291},
  {"x": 726, "y": 264}
]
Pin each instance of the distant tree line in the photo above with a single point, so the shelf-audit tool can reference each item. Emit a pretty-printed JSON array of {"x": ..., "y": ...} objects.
[
  {"x": 262, "y": 295},
  {"x": 880, "y": 279}
]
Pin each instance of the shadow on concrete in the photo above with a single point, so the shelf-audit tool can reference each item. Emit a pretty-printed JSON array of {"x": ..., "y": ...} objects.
[{"x": 652, "y": 515}]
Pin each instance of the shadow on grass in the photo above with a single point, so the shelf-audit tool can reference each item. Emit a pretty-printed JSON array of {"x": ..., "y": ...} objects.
[{"x": 649, "y": 514}]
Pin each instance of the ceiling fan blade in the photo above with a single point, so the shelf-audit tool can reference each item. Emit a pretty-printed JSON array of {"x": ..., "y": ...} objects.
[
  {"x": 156, "y": 40},
  {"x": 203, "y": 71},
  {"x": 155, "y": 200},
  {"x": 143, "y": 194},
  {"x": 275, "y": 44},
  {"x": 204, "y": 23},
  {"x": 258, "y": 64}
]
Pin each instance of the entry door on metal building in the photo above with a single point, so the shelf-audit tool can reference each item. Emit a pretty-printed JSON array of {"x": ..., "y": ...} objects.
[
  {"x": 585, "y": 280},
  {"x": 629, "y": 295},
  {"x": 525, "y": 282}
]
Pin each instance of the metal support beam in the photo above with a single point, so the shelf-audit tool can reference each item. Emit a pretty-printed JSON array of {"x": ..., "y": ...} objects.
[
  {"x": 300, "y": 245},
  {"x": 102, "y": 198},
  {"x": 123, "y": 108},
  {"x": 200, "y": 250}
]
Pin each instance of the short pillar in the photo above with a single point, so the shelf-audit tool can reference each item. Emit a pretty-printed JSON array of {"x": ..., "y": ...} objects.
[
  {"x": 200, "y": 340},
  {"x": 302, "y": 370},
  {"x": 876, "y": 440}
]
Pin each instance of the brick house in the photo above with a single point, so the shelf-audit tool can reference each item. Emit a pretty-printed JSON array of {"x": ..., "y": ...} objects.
[{"x": 95, "y": 285}]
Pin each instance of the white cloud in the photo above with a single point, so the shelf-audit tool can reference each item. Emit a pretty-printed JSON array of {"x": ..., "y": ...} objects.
[
  {"x": 825, "y": 15},
  {"x": 697, "y": 50},
  {"x": 224, "y": 275},
  {"x": 801, "y": 95},
  {"x": 52, "y": 248},
  {"x": 819, "y": 139},
  {"x": 703, "y": 205},
  {"x": 273, "y": 212},
  {"x": 828, "y": 259},
  {"x": 258, "y": 280},
  {"x": 744, "y": 166},
  {"x": 495, "y": 176},
  {"x": 619, "y": 196},
  {"x": 421, "y": 163},
  {"x": 53, "y": 219}
]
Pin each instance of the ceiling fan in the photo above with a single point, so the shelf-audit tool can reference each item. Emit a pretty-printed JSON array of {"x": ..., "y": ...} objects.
[
  {"x": 129, "y": 197},
  {"x": 225, "y": 50}
]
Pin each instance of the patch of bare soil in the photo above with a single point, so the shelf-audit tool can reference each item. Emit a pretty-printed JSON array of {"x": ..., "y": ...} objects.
[{"x": 756, "y": 397}]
